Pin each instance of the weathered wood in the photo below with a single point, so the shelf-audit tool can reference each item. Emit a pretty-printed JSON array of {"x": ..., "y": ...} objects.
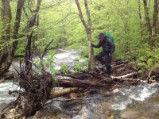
[
  {"x": 124, "y": 76},
  {"x": 82, "y": 83},
  {"x": 8, "y": 75},
  {"x": 117, "y": 66},
  {"x": 62, "y": 92}
]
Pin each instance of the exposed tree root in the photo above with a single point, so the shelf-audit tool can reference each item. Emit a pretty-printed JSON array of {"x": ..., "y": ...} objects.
[
  {"x": 34, "y": 91},
  {"x": 124, "y": 76}
]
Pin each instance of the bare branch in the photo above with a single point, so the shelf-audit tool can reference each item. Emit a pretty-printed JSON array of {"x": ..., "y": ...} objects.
[{"x": 81, "y": 14}]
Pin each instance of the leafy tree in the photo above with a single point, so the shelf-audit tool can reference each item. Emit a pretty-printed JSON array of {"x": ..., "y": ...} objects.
[
  {"x": 7, "y": 53},
  {"x": 134, "y": 25}
]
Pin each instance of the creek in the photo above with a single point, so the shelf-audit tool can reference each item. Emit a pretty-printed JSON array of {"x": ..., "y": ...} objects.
[{"x": 134, "y": 102}]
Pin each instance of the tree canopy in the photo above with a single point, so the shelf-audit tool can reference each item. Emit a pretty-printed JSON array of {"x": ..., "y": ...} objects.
[{"x": 134, "y": 25}]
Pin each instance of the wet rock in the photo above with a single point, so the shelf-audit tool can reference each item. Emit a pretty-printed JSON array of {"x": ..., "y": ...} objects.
[
  {"x": 37, "y": 115},
  {"x": 103, "y": 111},
  {"x": 24, "y": 117},
  {"x": 84, "y": 113},
  {"x": 11, "y": 114},
  {"x": 115, "y": 90},
  {"x": 73, "y": 96},
  {"x": 132, "y": 114},
  {"x": 2, "y": 80},
  {"x": 2, "y": 116},
  {"x": 155, "y": 98},
  {"x": 77, "y": 117},
  {"x": 8, "y": 75}
]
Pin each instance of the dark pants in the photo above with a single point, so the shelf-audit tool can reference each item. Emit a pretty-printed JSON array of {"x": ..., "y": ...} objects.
[{"x": 106, "y": 62}]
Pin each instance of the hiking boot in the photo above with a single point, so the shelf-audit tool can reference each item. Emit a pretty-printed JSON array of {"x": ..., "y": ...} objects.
[{"x": 109, "y": 72}]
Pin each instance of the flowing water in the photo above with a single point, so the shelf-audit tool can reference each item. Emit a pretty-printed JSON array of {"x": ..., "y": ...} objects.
[
  {"x": 136, "y": 102},
  {"x": 5, "y": 98}
]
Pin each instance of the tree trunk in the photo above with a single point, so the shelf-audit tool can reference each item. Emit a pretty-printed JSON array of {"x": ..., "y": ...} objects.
[
  {"x": 89, "y": 35},
  {"x": 87, "y": 26},
  {"x": 5, "y": 58},
  {"x": 17, "y": 24},
  {"x": 140, "y": 18},
  {"x": 8, "y": 52},
  {"x": 155, "y": 23},
  {"x": 152, "y": 28},
  {"x": 147, "y": 19},
  {"x": 28, "y": 65},
  {"x": 32, "y": 21}
]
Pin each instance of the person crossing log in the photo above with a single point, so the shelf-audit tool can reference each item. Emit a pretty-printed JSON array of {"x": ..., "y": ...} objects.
[{"x": 108, "y": 49}]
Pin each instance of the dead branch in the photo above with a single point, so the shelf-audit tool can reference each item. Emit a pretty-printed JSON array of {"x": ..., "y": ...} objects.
[
  {"x": 118, "y": 66},
  {"x": 83, "y": 83},
  {"x": 124, "y": 76},
  {"x": 61, "y": 92},
  {"x": 46, "y": 48}
]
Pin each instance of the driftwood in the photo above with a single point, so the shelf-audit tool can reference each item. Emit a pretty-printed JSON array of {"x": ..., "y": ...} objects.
[
  {"x": 82, "y": 83},
  {"x": 36, "y": 91},
  {"x": 62, "y": 92},
  {"x": 124, "y": 76},
  {"x": 118, "y": 66}
]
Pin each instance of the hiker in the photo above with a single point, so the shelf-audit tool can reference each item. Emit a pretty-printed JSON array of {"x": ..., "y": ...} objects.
[{"x": 108, "y": 48}]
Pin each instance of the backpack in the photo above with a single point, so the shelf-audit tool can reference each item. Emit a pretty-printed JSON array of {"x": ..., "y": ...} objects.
[{"x": 109, "y": 36}]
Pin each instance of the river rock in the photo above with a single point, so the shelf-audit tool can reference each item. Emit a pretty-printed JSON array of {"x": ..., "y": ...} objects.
[
  {"x": 11, "y": 114},
  {"x": 84, "y": 113},
  {"x": 77, "y": 117},
  {"x": 2, "y": 80},
  {"x": 37, "y": 115},
  {"x": 115, "y": 90},
  {"x": 8, "y": 75},
  {"x": 73, "y": 96},
  {"x": 132, "y": 114}
]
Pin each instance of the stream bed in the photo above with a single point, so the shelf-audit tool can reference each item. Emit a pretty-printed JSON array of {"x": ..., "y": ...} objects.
[{"x": 135, "y": 102}]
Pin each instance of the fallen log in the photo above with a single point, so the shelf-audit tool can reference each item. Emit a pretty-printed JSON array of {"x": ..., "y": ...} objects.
[
  {"x": 134, "y": 80},
  {"x": 77, "y": 75},
  {"x": 83, "y": 83},
  {"x": 8, "y": 75},
  {"x": 118, "y": 66},
  {"x": 124, "y": 76},
  {"x": 61, "y": 92}
]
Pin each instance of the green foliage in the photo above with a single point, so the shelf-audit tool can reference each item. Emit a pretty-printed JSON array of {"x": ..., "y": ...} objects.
[
  {"x": 55, "y": 80},
  {"x": 47, "y": 63},
  {"x": 79, "y": 67},
  {"x": 64, "y": 69},
  {"x": 147, "y": 58},
  {"x": 59, "y": 20},
  {"x": 49, "y": 60}
]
